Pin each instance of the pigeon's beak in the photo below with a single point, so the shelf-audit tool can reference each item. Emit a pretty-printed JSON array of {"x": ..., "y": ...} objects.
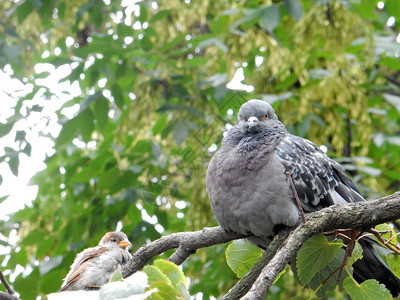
[
  {"x": 124, "y": 244},
  {"x": 252, "y": 122}
]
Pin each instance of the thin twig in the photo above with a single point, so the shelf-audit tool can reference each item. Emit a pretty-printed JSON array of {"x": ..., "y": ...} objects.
[
  {"x": 296, "y": 197},
  {"x": 383, "y": 241},
  {"x": 5, "y": 283}
]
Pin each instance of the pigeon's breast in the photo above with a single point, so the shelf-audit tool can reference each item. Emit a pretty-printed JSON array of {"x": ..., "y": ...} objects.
[{"x": 249, "y": 193}]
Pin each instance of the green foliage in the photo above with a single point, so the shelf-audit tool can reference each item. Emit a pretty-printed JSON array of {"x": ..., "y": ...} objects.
[
  {"x": 116, "y": 276},
  {"x": 393, "y": 261},
  {"x": 387, "y": 233},
  {"x": 241, "y": 256},
  {"x": 168, "y": 279},
  {"x": 141, "y": 99},
  {"x": 316, "y": 253},
  {"x": 369, "y": 289}
]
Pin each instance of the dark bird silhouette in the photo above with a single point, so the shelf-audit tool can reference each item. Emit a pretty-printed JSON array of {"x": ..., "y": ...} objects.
[
  {"x": 94, "y": 266},
  {"x": 249, "y": 184}
]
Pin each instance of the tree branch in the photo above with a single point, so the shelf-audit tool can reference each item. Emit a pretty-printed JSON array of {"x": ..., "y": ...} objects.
[
  {"x": 5, "y": 283},
  {"x": 11, "y": 294},
  {"x": 186, "y": 242},
  {"x": 245, "y": 283},
  {"x": 360, "y": 216}
]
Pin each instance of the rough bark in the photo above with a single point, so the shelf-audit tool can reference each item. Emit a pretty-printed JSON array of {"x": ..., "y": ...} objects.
[
  {"x": 186, "y": 243},
  {"x": 360, "y": 216}
]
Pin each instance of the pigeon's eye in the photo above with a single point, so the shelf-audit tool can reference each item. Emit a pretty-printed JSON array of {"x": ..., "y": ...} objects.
[
  {"x": 243, "y": 119},
  {"x": 266, "y": 117}
]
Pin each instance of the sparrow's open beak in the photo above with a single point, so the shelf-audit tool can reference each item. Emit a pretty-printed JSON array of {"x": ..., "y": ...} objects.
[{"x": 124, "y": 244}]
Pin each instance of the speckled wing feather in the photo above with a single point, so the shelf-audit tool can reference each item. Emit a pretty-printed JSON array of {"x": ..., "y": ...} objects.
[{"x": 319, "y": 180}]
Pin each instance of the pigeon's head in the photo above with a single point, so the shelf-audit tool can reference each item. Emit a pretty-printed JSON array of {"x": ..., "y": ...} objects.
[
  {"x": 117, "y": 238},
  {"x": 255, "y": 116}
]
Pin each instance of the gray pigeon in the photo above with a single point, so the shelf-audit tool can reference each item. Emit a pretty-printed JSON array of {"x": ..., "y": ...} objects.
[
  {"x": 250, "y": 192},
  {"x": 94, "y": 266}
]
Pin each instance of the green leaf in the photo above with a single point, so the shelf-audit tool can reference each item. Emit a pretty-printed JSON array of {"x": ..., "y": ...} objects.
[
  {"x": 155, "y": 275},
  {"x": 271, "y": 18},
  {"x": 287, "y": 82},
  {"x": 393, "y": 8},
  {"x": 368, "y": 290},
  {"x": 5, "y": 128},
  {"x": 160, "y": 124},
  {"x": 13, "y": 163},
  {"x": 88, "y": 101},
  {"x": 294, "y": 8},
  {"x": 316, "y": 253},
  {"x": 164, "y": 291},
  {"x": 20, "y": 135},
  {"x": 390, "y": 62},
  {"x": 143, "y": 13},
  {"x": 279, "y": 275},
  {"x": 241, "y": 256},
  {"x": 146, "y": 43},
  {"x": 326, "y": 280},
  {"x": 24, "y": 10},
  {"x": 44, "y": 246},
  {"x": 118, "y": 96},
  {"x": 172, "y": 271},
  {"x": 180, "y": 133},
  {"x": 27, "y": 286},
  {"x": 68, "y": 132},
  {"x": 86, "y": 124},
  {"x": 116, "y": 276},
  {"x": 356, "y": 255},
  {"x": 160, "y": 15},
  {"x": 393, "y": 261},
  {"x": 6, "y": 196},
  {"x": 50, "y": 282},
  {"x": 389, "y": 234},
  {"x": 176, "y": 41},
  {"x": 101, "y": 112},
  {"x": 27, "y": 149},
  {"x": 33, "y": 237},
  {"x": 197, "y": 61}
]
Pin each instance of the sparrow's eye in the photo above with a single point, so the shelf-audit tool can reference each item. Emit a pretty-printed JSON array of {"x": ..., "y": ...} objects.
[
  {"x": 114, "y": 240},
  {"x": 266, "y": 116}
]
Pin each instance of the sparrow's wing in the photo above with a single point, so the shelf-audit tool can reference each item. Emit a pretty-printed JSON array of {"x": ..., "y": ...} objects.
[{"x": 80, "y": 264}]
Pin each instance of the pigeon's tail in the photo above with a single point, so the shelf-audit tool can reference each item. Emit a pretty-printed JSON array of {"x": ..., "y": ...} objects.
[{"x": 371, "y": 266}]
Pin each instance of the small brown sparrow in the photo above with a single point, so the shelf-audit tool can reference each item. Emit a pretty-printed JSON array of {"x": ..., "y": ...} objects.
[{"x": 94, "y": 266}]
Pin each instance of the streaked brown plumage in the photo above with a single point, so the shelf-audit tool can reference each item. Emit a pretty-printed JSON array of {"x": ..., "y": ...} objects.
[{"x": 94, "y": 266}]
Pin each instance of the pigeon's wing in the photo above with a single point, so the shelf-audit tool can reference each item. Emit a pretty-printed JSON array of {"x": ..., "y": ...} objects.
[
  {"x": 81, "y": 262},
  {"x": 319, "y": 180}
]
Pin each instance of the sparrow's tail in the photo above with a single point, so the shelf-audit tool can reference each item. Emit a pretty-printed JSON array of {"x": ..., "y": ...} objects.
[{"x": 372, "y": 266}]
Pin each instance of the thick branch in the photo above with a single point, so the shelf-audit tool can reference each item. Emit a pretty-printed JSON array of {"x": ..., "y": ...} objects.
[
  {"x": 186, "y": 242},
  {"x": 360, "y": 215},
  {"x": 245, "y": 283}
]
